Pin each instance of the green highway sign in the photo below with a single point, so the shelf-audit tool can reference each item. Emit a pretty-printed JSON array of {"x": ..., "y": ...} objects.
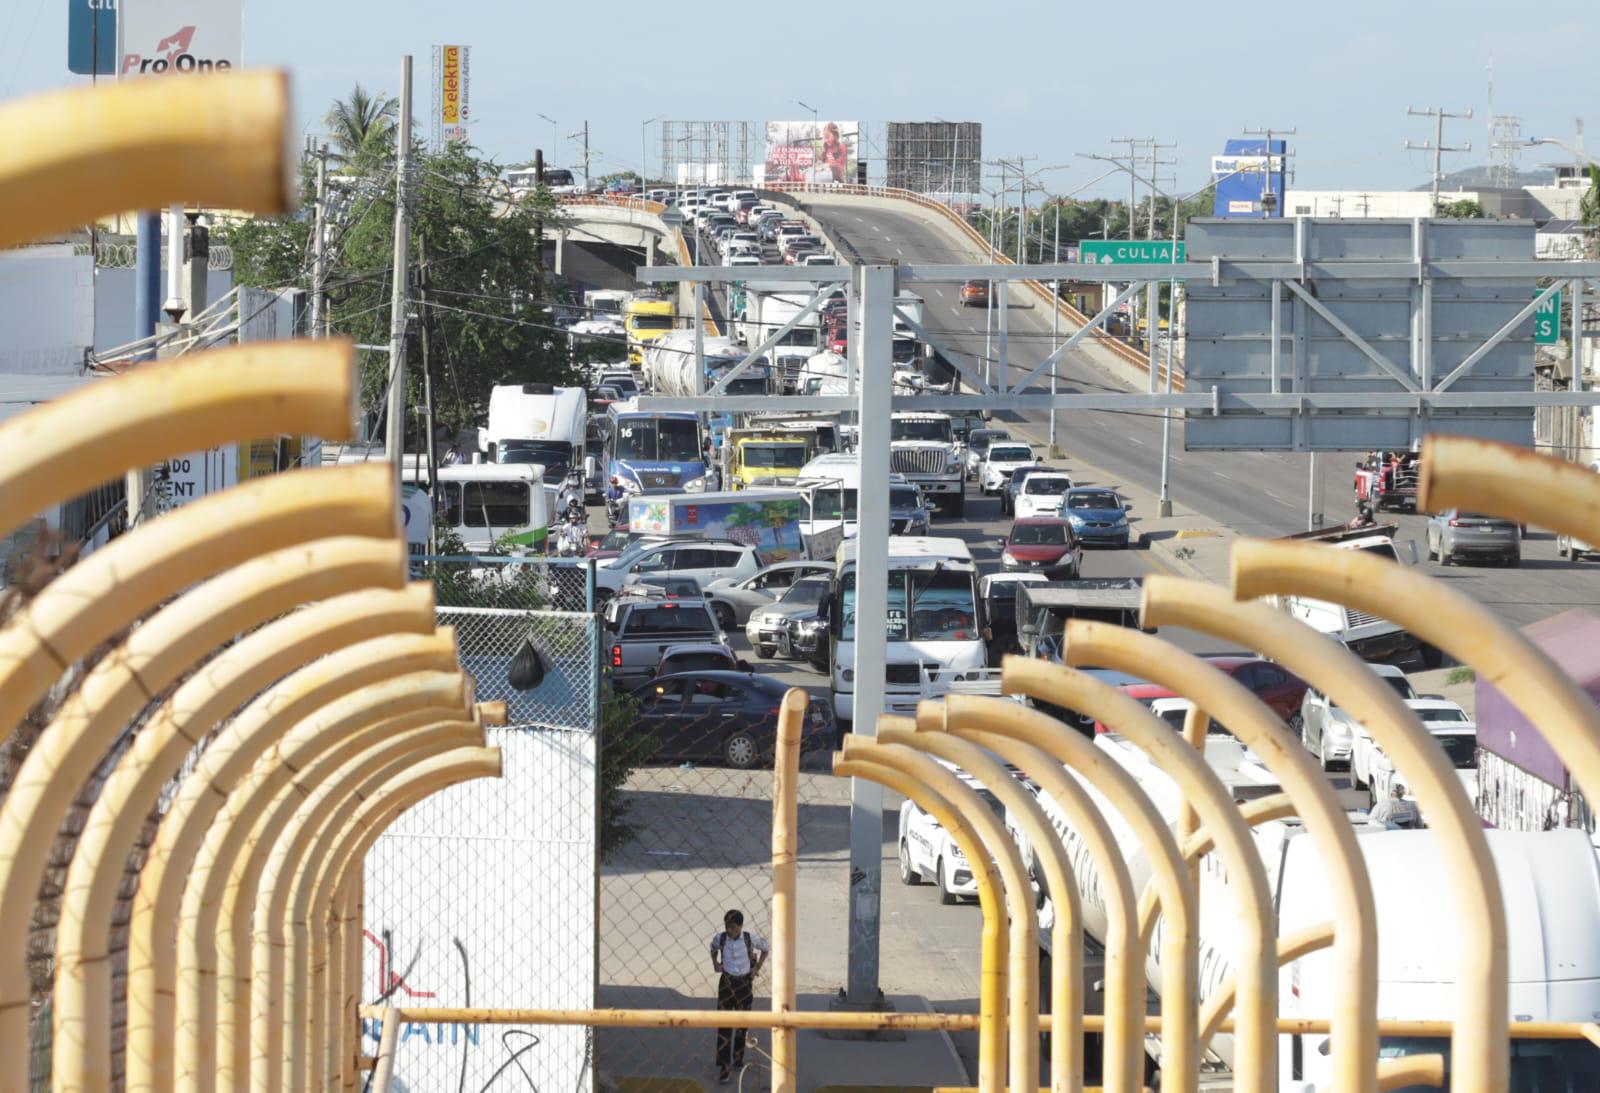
[
  {"x": 1125, "y": 252},
  {"x": 1547, "y": 322}
]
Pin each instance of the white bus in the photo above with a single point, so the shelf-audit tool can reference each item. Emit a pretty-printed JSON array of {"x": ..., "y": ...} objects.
[{"x": 934, "y": 625}]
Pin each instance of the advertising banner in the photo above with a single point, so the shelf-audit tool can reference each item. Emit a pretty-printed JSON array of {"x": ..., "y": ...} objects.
[
  {"x": 823, "y": 152},
  {"x": 164, "y": 36},
  {"x": 451, "y": 104}
]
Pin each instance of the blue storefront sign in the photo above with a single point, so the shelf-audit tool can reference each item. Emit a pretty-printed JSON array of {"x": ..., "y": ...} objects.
[{"x": 92, "y": 37}]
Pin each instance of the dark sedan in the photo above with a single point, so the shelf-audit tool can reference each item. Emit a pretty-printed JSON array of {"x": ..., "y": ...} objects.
[
  {"x": 724, "y": 717},
  {"x": 1008, "y": 493}
]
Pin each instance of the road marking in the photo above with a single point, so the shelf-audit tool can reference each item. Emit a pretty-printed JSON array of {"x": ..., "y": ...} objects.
[
  {"x": 1135, "y": 440},
  {"x": 877, "y": 229},
  {"x": 897, "y": 250},
  {"x": 1219, "y": 474},
  {"x": 1275, "y": 497}
]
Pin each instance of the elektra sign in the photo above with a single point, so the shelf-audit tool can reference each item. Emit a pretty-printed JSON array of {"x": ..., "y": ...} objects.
[{"x": 165, "y": 36}]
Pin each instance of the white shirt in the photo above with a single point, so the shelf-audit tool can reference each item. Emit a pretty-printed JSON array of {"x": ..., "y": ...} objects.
[{"x": 735, "y": 957}]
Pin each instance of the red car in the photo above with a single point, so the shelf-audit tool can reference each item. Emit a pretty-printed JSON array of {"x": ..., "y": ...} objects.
[
  {"x": 1280, "y": 689},
  {"x": 1042, "y": 544}
]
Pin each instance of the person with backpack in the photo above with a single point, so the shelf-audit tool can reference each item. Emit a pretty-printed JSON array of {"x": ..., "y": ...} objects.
[{"x": 736, "y": 956}]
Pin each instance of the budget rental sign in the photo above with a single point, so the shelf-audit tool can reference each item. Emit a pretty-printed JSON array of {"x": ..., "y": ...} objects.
[{"x": 158, "y": 37}]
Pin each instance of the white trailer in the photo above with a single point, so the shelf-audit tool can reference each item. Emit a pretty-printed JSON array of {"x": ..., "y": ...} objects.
[{"x": 767, "y": 307}]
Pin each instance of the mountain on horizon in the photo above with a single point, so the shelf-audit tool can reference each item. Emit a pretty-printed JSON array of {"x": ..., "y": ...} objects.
[{"x": 1482, "y": 177}]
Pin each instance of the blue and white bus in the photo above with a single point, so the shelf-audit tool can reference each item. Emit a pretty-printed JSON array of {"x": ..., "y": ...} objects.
[{"x": 650, "y": 451}]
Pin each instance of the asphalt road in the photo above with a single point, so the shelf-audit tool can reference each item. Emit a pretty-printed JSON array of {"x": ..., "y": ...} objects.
[{"x": 1254, "y": 493}]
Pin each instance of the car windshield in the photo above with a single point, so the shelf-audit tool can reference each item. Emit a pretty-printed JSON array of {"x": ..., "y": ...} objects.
[
  {"x": 1093, "y": 501},
  {"x": 934, "y": 428},
  {"x": 1047, "y": 484},
  {"x": 942, "y": 606},
  {"x": 1401, "y": 685},
  {"x": 1536, "y": 1064},
  {"x": 1038, "y": 535},
  {"x": 1462, "y": 748},
  {"x": 903, "y": 497},
  {"x": 615, "y": 540},
  {"x": 696, "y": 662},
  {"x": 774, "y": 456},
  {"x": 1005, "y": 453},
  {"x": 651, "y": 322},
  {"x": 1442, "y": 714},
  {"x": 1021, "y": 473},
  {"x": 809, "y": 592}
]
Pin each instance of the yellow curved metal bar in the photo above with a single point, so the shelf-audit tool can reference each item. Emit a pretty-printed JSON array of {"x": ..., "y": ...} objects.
[
  {"x": 1255, "y": 1039},
  {"x": 1480, "y": 1058},
  {"x": 149, "y": 659},
  {"x": 1410, "y": 1070},
  {"x": 344, "y": 1018},
  {"x": 1122, "y": 1067},
  {"x": 153, "y": 928},
  {"x": 387, "y": 804},
  {"x": 320, "y": 800},
  {"x": 115, "y": 585},
  {"x": 992, "y": 966},
  {"x": 81, "y": 1010},
  {"x": 222, "y": 140},
  {"x": 213, "y": 996},
  {"x": 1180, "y": 974},
  {"x": 1066, "y": 932},
  {"x": 1487, "y": 476},
  {"x": 1258, "y": 728},
  {"x": 163, "y": 409},
  {"x": 1291, "y": 947}
]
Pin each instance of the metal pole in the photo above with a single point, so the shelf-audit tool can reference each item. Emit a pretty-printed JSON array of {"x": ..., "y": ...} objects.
[
  {"x": 988, "y": 304},
  {"x": 871, "y": 630},
  {"x": 1002, "y": 365},
  {"x": 174, "y": 307},
  {"x": 586, "y": 156},
  {"x": 1055, "y": 332},
  {"x": 699, "y": 334},
  {"x": 1022, "y": 216},
  {"x": 427, "y": 386},
  {"x": 399, "y": 301},
  {"x": 1151, "y": 320},
  {"x": 1314, "y": 514},
  {"x": 1438, "y": 160},
  {"x": 319, "y": 302}
]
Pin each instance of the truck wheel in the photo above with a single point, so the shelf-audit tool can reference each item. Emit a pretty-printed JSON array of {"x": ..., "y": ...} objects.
[
  {"x": 958, "y": 506},
  {"x": 946, "y": 896},
  {"x": 740, "y": 751},
  {"x": 765, "y": 652},
  {"x": 908, "y": 876}
]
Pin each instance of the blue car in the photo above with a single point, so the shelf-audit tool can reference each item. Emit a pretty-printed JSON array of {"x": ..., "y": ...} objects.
[{"x": 1097, "y": 515}]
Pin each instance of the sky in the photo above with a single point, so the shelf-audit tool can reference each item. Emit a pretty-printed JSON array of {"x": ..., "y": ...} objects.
[{"x": 1048, "y": 80}]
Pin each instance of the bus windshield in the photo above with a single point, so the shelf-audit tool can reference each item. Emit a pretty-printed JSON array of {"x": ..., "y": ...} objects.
[
  {"x": 650, "y": 322},
  {"x": 942, "y": 606},
  {"x": 658, "y": 438},
  {"x": 555, "y": 456}
]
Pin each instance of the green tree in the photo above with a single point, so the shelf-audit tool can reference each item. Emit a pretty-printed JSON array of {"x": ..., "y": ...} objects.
[
  {"x": 623, "y": 747},
  {"x": 1465, "y": 209},
  {"x": 362, "y": 127},
  {"x": 1589, "y": 203}
]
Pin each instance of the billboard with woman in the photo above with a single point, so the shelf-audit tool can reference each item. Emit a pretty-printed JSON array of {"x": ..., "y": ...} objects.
[{"x": 811, "y": 151}]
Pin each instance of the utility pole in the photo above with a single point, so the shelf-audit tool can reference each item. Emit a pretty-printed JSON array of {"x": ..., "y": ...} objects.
[
  {"x": 586, "y": 156},
  {"x": 319, "y": 242},
  {"x": 1269, "y": 196},
  {"x": 1055, "y": 332},
  {"x": 1156, "y": 163},
  {"x": 427, "y": 381},
  {"x": 1437, "y": 145},
  {"x": 399, "y": 301},
  {"x": 1133, "y": 175}
]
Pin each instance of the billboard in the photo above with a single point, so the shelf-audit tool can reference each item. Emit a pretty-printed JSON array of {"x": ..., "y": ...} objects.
[
  {"x": 1244, "y": 173},
  {"x": 451, "y": 103},
  {"x": 933, "y": 156},
  {"x": 811, "y": 151},
  {"x": 163, "y": 36}
]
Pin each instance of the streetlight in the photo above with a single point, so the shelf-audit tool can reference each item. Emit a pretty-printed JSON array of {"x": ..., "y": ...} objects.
[
  {"x": 815, "y": 125},
  {"x": 552, "y": 122},
  {"x": 644, "y": 160},
  {"x": 1535, "y": 141}
]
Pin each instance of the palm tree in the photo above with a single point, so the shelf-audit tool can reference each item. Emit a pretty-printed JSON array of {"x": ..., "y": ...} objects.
[{"x": 363, "y": 126}]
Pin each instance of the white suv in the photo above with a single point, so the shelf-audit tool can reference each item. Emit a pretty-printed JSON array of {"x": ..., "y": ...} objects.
[
  {"x": 702, "y": 561},
  {"x": 1042, "y": 494}
]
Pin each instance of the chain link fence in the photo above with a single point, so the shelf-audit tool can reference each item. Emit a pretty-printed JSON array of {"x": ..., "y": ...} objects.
[{"x": 484, "y": 895}]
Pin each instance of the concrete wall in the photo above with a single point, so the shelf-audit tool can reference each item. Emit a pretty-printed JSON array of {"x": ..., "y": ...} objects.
[
  {"x": 47, "y": 299},
  {"x": 113, "y": 303}
]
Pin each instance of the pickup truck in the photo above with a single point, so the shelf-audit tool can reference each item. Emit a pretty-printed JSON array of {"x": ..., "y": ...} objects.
[{"x": 640, "y": 631}]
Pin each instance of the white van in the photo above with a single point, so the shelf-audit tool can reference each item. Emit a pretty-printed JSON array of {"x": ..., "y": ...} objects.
[{"x": 537, "y": 424}]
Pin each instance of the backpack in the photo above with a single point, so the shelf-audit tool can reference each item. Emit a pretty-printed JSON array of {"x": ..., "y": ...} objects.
[{"x": 749, "y": 949}]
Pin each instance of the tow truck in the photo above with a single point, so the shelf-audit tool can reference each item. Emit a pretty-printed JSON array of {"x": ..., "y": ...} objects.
[{"x": 1388, "y": 480}]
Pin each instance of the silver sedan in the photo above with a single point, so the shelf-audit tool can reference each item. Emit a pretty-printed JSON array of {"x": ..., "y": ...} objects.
[{"x": 732, "y": 599}]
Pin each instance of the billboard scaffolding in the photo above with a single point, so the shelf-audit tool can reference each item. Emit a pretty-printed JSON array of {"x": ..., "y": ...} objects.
[
  {"x": 708, "y": 152},
  {"x": 934, "y": 157}
]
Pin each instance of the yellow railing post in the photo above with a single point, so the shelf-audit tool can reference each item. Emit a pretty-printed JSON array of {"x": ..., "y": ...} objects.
[
  {"x": 785, "y": 905},
  {"x": 1480, "y": 1060},
  {"x": 1255, "y": 1050},
  {"x": 1258, "y": 728}
]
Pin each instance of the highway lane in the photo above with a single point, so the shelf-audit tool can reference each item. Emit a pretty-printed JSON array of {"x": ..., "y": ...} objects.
[{"x": 1254, "y": 493}]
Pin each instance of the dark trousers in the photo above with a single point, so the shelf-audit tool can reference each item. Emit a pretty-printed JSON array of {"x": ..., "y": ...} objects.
[{"x": 734, "y": 992}]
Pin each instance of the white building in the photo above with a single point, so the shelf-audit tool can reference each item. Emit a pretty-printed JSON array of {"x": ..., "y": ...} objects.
[{"x": 1369, "y": 204}]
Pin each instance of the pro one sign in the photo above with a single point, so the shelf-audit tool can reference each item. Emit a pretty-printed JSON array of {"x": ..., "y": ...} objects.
[{"x": 159, "y": 37}]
